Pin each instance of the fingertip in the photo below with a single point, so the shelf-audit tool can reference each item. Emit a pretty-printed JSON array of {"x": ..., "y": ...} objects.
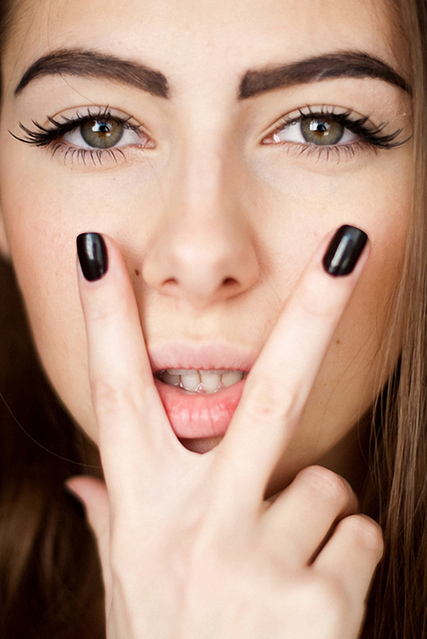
[{"x": 87, "y": 490}]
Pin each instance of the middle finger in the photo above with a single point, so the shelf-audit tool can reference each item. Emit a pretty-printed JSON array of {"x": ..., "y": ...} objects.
[{"x": 279, "y": 383}]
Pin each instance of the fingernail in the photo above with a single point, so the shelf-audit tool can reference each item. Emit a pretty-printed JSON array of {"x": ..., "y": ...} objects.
[
  {"x": 344, "y": 250},
  {"x": 93, "y": 255}
]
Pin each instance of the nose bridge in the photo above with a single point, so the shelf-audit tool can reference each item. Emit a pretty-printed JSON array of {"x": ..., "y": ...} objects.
[
  {"x": 202, "y": 251},
  {"x": 200, "y": 186},
  {"x": 202, "y": 213}
]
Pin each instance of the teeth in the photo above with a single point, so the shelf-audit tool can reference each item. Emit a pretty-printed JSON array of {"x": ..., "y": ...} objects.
[
  {"x": 210, "y": 381},
  {"x": 200, "y": 381},
  {"x": 170, "y": 378},
  {"x": 231, "y": 377},
  {"x": 191, "y": 380}
]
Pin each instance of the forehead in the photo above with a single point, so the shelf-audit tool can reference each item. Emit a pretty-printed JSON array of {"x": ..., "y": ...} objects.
[{"x": 210, "y": 37}]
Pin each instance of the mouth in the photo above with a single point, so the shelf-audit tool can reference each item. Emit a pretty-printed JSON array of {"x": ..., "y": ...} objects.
[
  {"x": 200, "y": 381},
  {"x": 200, "y": 399},
  {"x": 199, "y": 403}
]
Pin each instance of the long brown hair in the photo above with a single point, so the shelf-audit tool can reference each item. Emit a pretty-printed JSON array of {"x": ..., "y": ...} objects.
[
  {"x": 50, "y": 583},
  {"x": 50, "y": 578},
  {"x": 398, "y": 605}
]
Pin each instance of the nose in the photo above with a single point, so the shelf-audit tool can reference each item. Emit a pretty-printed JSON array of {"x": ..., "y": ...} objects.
[{"x": 204, "y": 249}]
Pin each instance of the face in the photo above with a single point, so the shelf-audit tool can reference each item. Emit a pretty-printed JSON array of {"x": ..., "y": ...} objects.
[{"x": 217, "y": 180}]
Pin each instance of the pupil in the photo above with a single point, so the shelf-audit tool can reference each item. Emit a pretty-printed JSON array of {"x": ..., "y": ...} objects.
[
  {"x": 319, "y": 127},
  {"x": 320, "y": 131},
  {"x": 101, "y": 128},
  {"x": 101, "y": 134}
]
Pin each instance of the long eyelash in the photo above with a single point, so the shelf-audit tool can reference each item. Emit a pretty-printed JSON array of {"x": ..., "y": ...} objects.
[
  {"x": 43, "y": 136},
  {"x": 370, "y": 136}
]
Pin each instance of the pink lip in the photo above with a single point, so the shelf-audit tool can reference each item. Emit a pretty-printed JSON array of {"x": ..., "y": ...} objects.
[{"x": 195, "y": 415}]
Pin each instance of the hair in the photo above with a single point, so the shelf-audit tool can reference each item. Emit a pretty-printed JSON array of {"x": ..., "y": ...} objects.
[
  {"x": 50, "y": 579},
  {"x": 50, "y": 575}
]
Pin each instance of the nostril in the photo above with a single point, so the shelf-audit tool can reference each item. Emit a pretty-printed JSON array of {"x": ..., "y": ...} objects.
[{"x": 230, "y": 281}]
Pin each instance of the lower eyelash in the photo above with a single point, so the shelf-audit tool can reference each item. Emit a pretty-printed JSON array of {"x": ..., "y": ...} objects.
[
  {"x": 326, "y": 152},
  {"x": 96, "y": 156}
]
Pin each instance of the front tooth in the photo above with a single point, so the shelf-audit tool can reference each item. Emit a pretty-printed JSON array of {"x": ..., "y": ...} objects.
[
  {"x": 210, "y": 380},
  {"x": 190, "y": 380},
  {"x": 228, "y": 379}
]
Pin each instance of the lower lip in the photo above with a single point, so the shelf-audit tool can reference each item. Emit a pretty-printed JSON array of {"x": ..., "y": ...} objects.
[{"x": 199, "y": 415}]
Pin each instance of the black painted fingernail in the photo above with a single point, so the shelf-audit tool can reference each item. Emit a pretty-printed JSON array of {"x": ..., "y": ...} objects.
[
  {"x": 93, "y": 255},
  {"x": 344, "y": 250}
]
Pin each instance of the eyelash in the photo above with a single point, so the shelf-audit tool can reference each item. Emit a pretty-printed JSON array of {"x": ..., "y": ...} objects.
[
  {"x": 368, "y": 136},
  {"x": 50, "y": 137}
]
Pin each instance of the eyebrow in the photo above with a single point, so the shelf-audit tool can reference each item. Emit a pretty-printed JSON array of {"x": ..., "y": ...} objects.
[
  {"x": 348, "y": 64},
  {"x": 86, "y": 63}
]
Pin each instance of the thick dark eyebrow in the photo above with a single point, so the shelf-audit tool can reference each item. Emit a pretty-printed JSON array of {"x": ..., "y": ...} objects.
[
  {"x": 93, "y": 64},
  {"x": 348, "y": 64}
]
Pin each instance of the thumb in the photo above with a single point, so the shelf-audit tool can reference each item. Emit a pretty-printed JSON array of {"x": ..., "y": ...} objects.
[{"x": 93, "y": 495}]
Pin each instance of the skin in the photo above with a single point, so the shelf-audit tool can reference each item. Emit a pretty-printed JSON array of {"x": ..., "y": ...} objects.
[
  {"x": 214, "y": 236},
  {"x": 209, "y": 202}
]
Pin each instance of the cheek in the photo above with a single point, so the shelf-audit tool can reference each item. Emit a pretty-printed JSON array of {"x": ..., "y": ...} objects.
[
  {"x": 309, "y": 205},
  {"x": 42, "y": 222},
  {"x": 300, "y": 202},
  {"x": 41, "y": 234}
]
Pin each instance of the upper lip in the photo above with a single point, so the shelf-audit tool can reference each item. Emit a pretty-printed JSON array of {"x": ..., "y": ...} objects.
[{"x": 203, "y": 356}]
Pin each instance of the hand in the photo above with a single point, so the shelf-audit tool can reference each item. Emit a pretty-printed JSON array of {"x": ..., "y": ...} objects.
[{"x": 189, "y": 547}]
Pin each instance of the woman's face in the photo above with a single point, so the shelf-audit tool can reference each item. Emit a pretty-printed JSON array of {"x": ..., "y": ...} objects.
[{"x": 217, "y": 179}]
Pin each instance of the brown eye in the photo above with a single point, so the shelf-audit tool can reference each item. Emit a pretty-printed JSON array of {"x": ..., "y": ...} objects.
[
  {"x": 321, "y": 130},
  {"x": 102, "y": 134}
]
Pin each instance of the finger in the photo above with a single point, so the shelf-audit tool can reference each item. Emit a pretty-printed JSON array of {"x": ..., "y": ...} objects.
[
  {"x": 92, "y": 493},
  {"x": 351, "y": 555},
  {"x": 279, "y": 383},
  {"x": 133, "y": 428},
  {"x": 297, "y": 523}
]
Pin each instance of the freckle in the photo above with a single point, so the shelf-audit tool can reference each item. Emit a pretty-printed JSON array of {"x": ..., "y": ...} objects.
[
  {"x": 338, "y": 342},
  {"x": 137, "y": 273}
]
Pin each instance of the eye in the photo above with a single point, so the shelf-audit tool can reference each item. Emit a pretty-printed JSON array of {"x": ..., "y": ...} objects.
[
  {"x": 93, "y": 139},
  {"x": 102, "y": 133},
  {"x": 316, "y": 129}
]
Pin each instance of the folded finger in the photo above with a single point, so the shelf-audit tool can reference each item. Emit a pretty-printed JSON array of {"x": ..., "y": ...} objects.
[
  {"x": 296, "y": 525},
  {"x": 351, "y": 555}
]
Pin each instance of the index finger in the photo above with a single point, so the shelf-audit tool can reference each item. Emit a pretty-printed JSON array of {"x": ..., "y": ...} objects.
[
  {"x": 133, "y": 430},
  {"x": 280, "y": 382}
]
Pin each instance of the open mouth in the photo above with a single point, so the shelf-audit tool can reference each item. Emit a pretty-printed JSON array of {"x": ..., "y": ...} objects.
[
  {"x": 200, "y": 381},
  {"x": 200, "y": 403}
]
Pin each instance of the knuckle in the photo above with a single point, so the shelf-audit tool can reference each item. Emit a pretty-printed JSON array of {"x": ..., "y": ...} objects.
[
  {"x": 267, "y": 400},
  {"x": 325, "y": 485},
  {"x": 111, "y": 397},
  {"x": 364, "y": 533},
  {"x": 324, "y": 599},
  {"x": 316, "y": 299}
]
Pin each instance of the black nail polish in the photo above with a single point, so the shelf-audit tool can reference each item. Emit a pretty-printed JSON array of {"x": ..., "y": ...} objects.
[
  {"x": 344, "y": 250},
  {"x": 93, "y": 256}
]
